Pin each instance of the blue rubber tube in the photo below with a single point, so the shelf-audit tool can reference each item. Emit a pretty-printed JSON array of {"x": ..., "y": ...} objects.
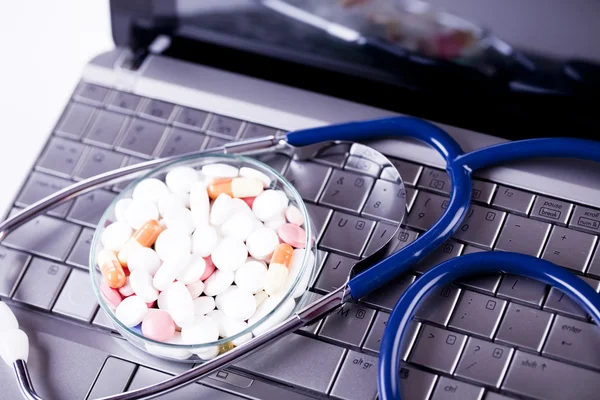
[{"x": 390, "y": 354}]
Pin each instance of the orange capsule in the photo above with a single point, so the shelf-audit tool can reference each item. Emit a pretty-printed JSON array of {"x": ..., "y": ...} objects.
[
  {"x": 143, "y": 237},
  {"x": 278, "y": 269},
  {"x": 235, "y": 187},
  {"x": 111, "y": 269}
]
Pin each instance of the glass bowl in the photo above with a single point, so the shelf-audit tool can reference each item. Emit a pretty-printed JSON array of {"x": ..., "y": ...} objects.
[{"x": 285, "y": 305}]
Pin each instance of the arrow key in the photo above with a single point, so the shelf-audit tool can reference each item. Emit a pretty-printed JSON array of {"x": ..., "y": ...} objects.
[{"x": 571, "y": 340}]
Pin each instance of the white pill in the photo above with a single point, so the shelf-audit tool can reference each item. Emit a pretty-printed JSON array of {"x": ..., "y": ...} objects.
[
  {"x": 116, "y": 235},
  {"x": 126, "y": 290},
  {"x": 163, "y": 301},
  {"x": 231, "y": 253},
  {"x": 236, "y": 303},
  {"x": 139, "y": 212},
  {"x": 144, "y": 258},
  {"x": 150, "y": 190},
  {"x": 261, "y": 243},
  {"x": 120, "y": 208},
  {"x": 275, "y": 318},
  {"x": 131, "y": 311},
  {"x": 295, "y": 268},
  {"x": 232, "y": 327},
  {"x": 176, "y": 353},
  {"x": 294, "y": 215},
  {"x": 238, "y": 205},
  {"x": 172, "y": 200},
  {"x": 219, "y": 318},
  {"x": 179, "y": 218},
  {"x": 141, "y": 283},
  {"x": 207, "y": 353},
  {"x": 220, "y": 170},
  {"x": 268, "y": 205},
  {"x": 260, "y": 297},
  {"x": 199, "y": 204},
  {"x": 285, "y": 200},
  {"x": 204, "y": 240},
  {"x": 172, "y": 243},
  {"x": 275, "y": 222},
  {"x": 180, "y": 304},
  {"x": 195, "y": 288},
  {"x": 193, "y": 270},
  {"x": 220, "y": 210},
  {"x": 256, "y": 174},
  {"x": 203, "y": 305},
  {"x": 202, "y": 330},
  {"x": 218, "y": 282},
  {"x": 168, "y": 271},
  {"x": 239, "y": 225},
  {"x": 180, "y": 179},
  {"x": 251, "y": 276}
]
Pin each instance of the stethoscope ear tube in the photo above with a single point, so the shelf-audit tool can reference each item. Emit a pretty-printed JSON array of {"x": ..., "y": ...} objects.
[{"x": 468, "y": 265}]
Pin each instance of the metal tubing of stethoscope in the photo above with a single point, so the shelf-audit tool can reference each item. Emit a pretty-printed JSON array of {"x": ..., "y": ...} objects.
[
  {"x": 117, "y": 175},
  {"x": 24, "y": 379}
]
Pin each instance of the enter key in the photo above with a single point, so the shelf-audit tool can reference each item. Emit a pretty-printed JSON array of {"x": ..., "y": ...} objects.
[{"x": 572, "y": 340}]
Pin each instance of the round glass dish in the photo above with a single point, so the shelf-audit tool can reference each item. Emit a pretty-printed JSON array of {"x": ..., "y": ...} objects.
[{"x": 284, "y": 305}]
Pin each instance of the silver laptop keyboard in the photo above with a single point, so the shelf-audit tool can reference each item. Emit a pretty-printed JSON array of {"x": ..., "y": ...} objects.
[{"x": 488, "y": 337}]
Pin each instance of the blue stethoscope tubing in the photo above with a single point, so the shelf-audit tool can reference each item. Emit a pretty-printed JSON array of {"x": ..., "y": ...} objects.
[{"x": 459, "y": 166}]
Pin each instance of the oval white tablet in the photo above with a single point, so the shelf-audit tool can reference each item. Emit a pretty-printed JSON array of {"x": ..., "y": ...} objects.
[
  {"x": 126, "y": 290},
  {"x": 218, "y": 317},
  {"x": 203, "y": 305},
  {"x": 180, "y": 179},
  {"x": 220, "y": 170},
  {"x": 195, "y": 288},
  {"x": 247, "y": 172},
  {"x": 231, "y": 253},
  {"x": 144, "y": 258},
  {"x": 193, "y": 270},
  {"x": 261, "y": 243},
  {"x": 172, "y": 200},
  {"x": 172, "y": 243},
  {"x": 120, "y": 208},
  {"x": 204, "y": 240},
  {"x": 276, "y": 222},
  {"x": 267, "y": 205},
  {"x": 199, "y": 203},
  {"x": 139, "y": 212},
  {"x": 150, "y": 190},
  {"x": 236, "y": 303},
  {"x": 180, "y": 304},
  {"x": 275, "y": 318},
  {"x": 239, "y": 225},
  {"x": 202, "y": 330},
  {"x": 232, "y": 327},
  {"x": 251, "y": 276},
  {"x": 131, "y": 311},
  {"x": 141, "y": 283},
  {"x": 218, "y": 282},
  {"x": 180, "y": 219},
  {"x": 221, "y": 208},
  {"x": 238, "y": 205},
  {"x": 168, "y": 271},
  {"x": 116, "y": 235}
]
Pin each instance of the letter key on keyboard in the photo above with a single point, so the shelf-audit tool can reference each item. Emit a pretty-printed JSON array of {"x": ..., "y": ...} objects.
[
  {"x": 180, "y": 141},
  {"x": 89, "y": 208},
  {"x": 41, "y": 185},
  {"x": 477, "y": 314},
  {"x": 357, "y": 379},
  {"x": 124, "y": 101},
  {"x": 158, "y": 110},
  {"x": 41, "y": 283},
  {"x": 484, "y": 362},
  {"x": 61, "y": 157},
  {"x": 225, "y": 126},
  {"x": 522, "y": 235},
  {"x": 74, "y": 120},
  {"x": 334, "y": 273},
  {"x": 80, "y": 254},
  {"x": 524, "y": 327},
  {"x": 91, "y": 93},
  {"x": 105, "y": 128},
  {"x": 347, "y": 234},
  {"x": 569, "y": 248},
  {"x": 190, "y": 118},
  {"x": 347, "y": 190},
  {"x": 348, "y": 325},
  {"x": 98, "y": 161},
  {"x": 141, "y": 138}
]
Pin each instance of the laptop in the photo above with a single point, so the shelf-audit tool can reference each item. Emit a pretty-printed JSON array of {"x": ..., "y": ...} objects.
[{"x": 187, "y": 76}]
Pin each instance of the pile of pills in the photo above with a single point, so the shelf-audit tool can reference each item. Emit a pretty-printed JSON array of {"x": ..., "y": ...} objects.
[{"x": 201, "y": 256}]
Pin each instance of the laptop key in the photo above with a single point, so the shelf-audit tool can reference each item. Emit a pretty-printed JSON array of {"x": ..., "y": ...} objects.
[
  {"x": 77, "y": 299},
  {"x": 158, "y": 110},
  {"x": 362, "y": 166},
  {"x": 373, "y": 342},
  {"x": 347, "y": 190},
  {"x": 91, "y": 93},
  {"x": 446, "y": 251},
  {"x": 40, "y": 185},
  {"x": 522, "y": 289},
  {"x": 524, "y": 327},
  {"x": 569, "y": 248},
  {"x": 435, "y": 180},
  {"x": 89, "y": 207},
  {"x": 451, "y": 389},
  {"x": 409, "y": 172},
  {"x": 44, "y": 236},
  {"x": 12, "y": 266},
  {"x": 334, "y": 155},
  {"x": 347, "y": 234},
  {"x": 334, "y": 272},
  {"x": 298, "y": 361},
  {"x": 308, "y": 178},
  {"x": 523, "y": 235},
  {"x": 277, "y": 161},
  {"x": 225, "y": 126},
  {"x": 103, "y": 320},
  {"x": 480, "y": 226},
  {"x": 190, "y": 118},
  {"x": 426, "y": 210},
  {"x": 438, "y": 306},
  {"x": 386, "y": 201},
  {"x": 546, "y": 379},
  {"x": 438, "y": 349},
  {"x": 216, "y": 142},
  {"x": 416, "y": 384},
  {"x": 80, "y": 255},
  {"x": 477, "y": 314},
  {"x": 181, "y": 141},
  {"x": 60, "y": 157},
  {"x": 98, "y": 161},
  {"x": 573, "y": 341},
  {"x": 484, "y": 362},
  {"x": 551, "y": 210},
  {"x": 319, "y": 217},
  {"x": 381, "y": 235},
  {"x": 124, "y": 102},
  {"x": 348, "y": 325},
  {"x": 257, "y": 131},
  {"x": 585, "y": 219},
  {"x": 74, "y": 120},
  {"x": 357, "y": 379},
  {"x": 560, "y": 302},
  {"x": 105, "y": 128},
  {"x": 482, "y": 191},
  {"x": 387, "y": 296},
  {"x": 141, "y": 138},
  {"x": 41, "y": 283},
  {"x": 123, "y": 184},
  {"x": 112, "y": 379}
]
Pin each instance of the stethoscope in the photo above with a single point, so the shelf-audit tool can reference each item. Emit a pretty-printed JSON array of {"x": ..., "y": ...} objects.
[{"x": 460, "y": 167}]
